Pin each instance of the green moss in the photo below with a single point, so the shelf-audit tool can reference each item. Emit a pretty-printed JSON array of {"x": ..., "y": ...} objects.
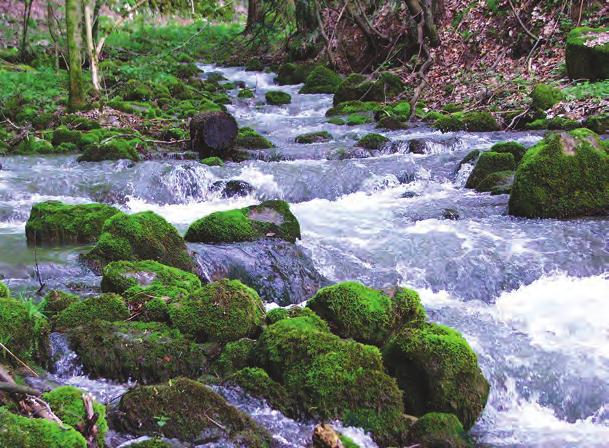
[
  {"x": 213, "y": 161},
  {"x": 584, "y": 59},
  {"x": 314, "y": 137},
  {"x": 437, "y": 429},
  {"x": 357, "y": 87},
  {"x": 18, "y": 431},
  {"x": 358, "y": 119},
  {"x": 351, "y": 107},
  {"x": 347, "y": 442},
  {"x": 254, "y": 65},
  {"x": 235, "y": 356},
  {"x": 56, "y": 223},
  {"x": 148, "y": 286},
  {"x": 151, "y": 443},
  {"x": 490, "y": 162},
  {"x": 246, "y": 93},
  {"x": 514, "y": 148},
  {"x": 141, "y": 236},
  {"x": 188, "y": 411},
  {"x": 364, "y": 314},
  {"x": 79, "y": 122},
  {"x": 115, "y": 149},
  {"x": 276, "y": 314},
  {"x": 34, "y": 145},
  {"x": 110, "y": 307},
  {"x": 223, "y": 311},
  {"x": 337, "y": 121},
  {"x": 56, "y": 301},
  {"x": 270, "y": 219},
  {"x": 67, "y": 404},
  {"x": 439, "y": 371},
  {"x": 277, "y": 97},
  {"x": 290, "y": 73},
  {"x": 321, "y": 80},
  {"x": 327, "y": 377},
  {"x": 544, "y": 96},
  {"x": 499, "y": 182},
  {"x": 449, "y": 123},
  {"x": 563, "y": 176},
  {"x": 23, "y": 331},
  {"x": 4, "y": 291},
  {"x": 256, "y": 382},
  {"x": 146, "y": 352},
  {"x": 598, "y": 123},
  {"x": 372, "y": 141},
  {"x": 391, "y": 123},
  {"x": 479, "y": 121},
  {"x": 251, "y": 139},
  {"x": 136, "y": 90},
  {"x": 64, "y": 135}
]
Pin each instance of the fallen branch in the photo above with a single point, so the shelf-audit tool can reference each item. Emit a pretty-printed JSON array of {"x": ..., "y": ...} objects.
[
  {"x": 17, "y": 359},
  {"x": 522, "y": 25},
  {"x": 89, "y": 427},
  {"x": 13, "y": 388}
]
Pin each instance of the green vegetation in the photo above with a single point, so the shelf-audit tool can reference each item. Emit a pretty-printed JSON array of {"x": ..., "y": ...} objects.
[
  {"x": 372, "y": 141},
  {"x": 467, "y": 121},
  {"x": 213, "y": 161},
  {"x": 251, "y": 139},
  {"x": 488, "y": 163},
  {"x": 24, "y": 331},
  {"x": 56, "y": 223},
  {"x": 56, "y": 301},
  {"x": 544, "y": 96},
  {"x": 235, "y": 356},
  {"x": 4, "y": 291},
  {"x": 256, "y": 382},
  {"x": 438, "y": 429},
  {"x": 109, "y": 307},
  {"x": 291, "y": 73},
  {"x": 321, "y": 80},
  {"x": 314, "y": 137},
  {"x": 270, "y": 219},
  {"x": 277, "y": 97}
]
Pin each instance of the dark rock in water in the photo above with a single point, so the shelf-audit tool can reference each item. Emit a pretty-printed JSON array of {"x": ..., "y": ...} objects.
[
  {"x": 213, "y": 134},
  {"x": 409, "y": 194},
  {"x": 233, "y": 188},
  {"x": 450, "y": 213},
  {"x": 278, "y": 270},
  {"x": 404, "y": 177},
  {"x": 417, "y": 146}
]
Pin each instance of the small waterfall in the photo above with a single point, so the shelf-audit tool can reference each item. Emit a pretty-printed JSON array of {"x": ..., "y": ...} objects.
[{"x": 66, "y": 363}]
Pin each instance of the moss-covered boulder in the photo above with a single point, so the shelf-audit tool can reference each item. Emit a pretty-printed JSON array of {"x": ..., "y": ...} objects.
[
  {"x": 188, "y": 411},
  {"x": 141, "y": 236},
  {"x": 235, "y": 355},
  {"x": 56, "y": 301},
  {"x": 587, "y": 53},
  {"x": 477, "y": 121},
  {"x": 109, "y": 307},
  {"x": 67, "y": 404},
  {"x": 64, "y": 135},
  {"x": 115, "y": 149},
  {"x": 257, "y": 383},
  {"x": 18, "y": 431},
  {"x": 498, "y": 182},
  {"x": 314, "y": 137},
  {"x": 146, "y": 352},
  {"x": 291, "y": 73},
  {"x": 148, "y": 286},
  {"x": 246, "y": 94},
  {"x": 321, "y": 80},
  {"x": 270, "y": 219},
  {"x": 277, "y": 97},
  {"x": 364, "y": 314},
  {"x": 598, "y": 123},
  {"x": 213, "y": 161},
  {"x": 545, "y": 96},
  {"x": 56, "y": 223},
  {"x": 514, "y": 148},
  {"x": 436, "y": 429},
  {"x": 372, "y": 141},
  {"x": 351, "y": 107},
  {"x": 251, "y": 139},
  {"x": 563, "y": 176},
  {"x": 33, "y": 145},
  {"x": 438, "y": 371},
  {"x": 331, "y": 378},
  {"x": 357, "y": 87},
  {"x": 490, "y": 162},
  {"x": 221, "y": 311},
  {"x": 24, "y": 333}
]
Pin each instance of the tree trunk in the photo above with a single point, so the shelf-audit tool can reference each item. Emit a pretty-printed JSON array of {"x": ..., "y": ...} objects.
[
  {"x": 254, "y": 15},
  {"x": 91, "y": 50},
  {"x": 76, "y": 99},
  {"x": 213, "y": 134},
  {"x": 27, "y": 12}
]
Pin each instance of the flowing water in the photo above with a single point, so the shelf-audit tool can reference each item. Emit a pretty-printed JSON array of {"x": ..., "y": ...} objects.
[{"x": 531, "y": 296}]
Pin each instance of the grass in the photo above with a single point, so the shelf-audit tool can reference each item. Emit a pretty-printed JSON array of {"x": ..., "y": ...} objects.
[{"x": 587, "y": 90}]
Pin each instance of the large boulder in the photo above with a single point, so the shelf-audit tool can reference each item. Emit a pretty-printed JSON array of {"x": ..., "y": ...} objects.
[
  {"x": 222, "y": 311},
  {"x": 364, "y": 314},
  {"x": 331, "y": 378},
  {"x": 488, "y": 163},
  {"x": 108, "y": 307},
  {"x": 190, "y": 412},
  {"x": 270, "y": 219},
  {"x": 438, "y": 430},
  {"x": 321, "y": 80},
  {"x": 144, "y": 352},
  {"x": 587, "y": 53},
  {"x": 565, "y": 175},
  {"x": 67, "y": 403},
  {"x": 438, "y": 371},
  {"x": 18, "y": 431},
  {"x": 213, "y": 134},
  {"x": 55, "y": 223},
  {"x": 24, "y": 332},
  {"x": 141, "y": 236}
]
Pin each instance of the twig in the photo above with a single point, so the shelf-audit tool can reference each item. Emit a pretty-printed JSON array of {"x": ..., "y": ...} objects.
[
  {"x": 17, "y": 358},
  {"x": 216, "y": 423},
  {"x": 37, "y": 269},
  {"x": 526, "y": 30}
]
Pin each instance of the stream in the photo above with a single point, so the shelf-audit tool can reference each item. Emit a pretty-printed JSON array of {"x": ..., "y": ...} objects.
[{"x": 530, "y": 296}]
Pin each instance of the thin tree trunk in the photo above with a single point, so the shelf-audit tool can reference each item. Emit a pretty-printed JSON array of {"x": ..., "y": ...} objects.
[
  {"x": 254, "y": 14},
  {"x": 76, "y": 99},
  {"x": 27, "y": 12},
  {"x": 93, "y": 57}
]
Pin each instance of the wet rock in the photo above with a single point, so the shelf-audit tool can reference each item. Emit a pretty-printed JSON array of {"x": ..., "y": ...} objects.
[
  {"x": 281, "y": 272},
  {"x": 587, "y": 55},
  {"x": 233, "y": 188},
  {"x": 314, "y": 137},
  {"x": 324, "y": 436},
  {"x": 321, "y": 80},
  {"x": 291, "y": 73},
  {"x": 251, "y": 139},
  {"x": 499, "y": 182},
  {"x": 490, "y": 162},
  {"x": 438, "y": 430},
  {"x": 213, "y": 134},
  {"x": 417, "y": 146},
  {"x": 257, "y": 383},
  {"x": 450, "y": 213},
  {"x": 191, "y": 412},
  {"x": 372, "y": 141},
  {"x": 409, "y": 194}
]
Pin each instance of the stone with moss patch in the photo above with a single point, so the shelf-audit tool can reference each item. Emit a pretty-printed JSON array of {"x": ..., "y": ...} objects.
[
  {"x": 56, "y": 223},
  {"x": 514, "y": 148},
  {"x": 151, "y": 443},
  {"x": 56, "y": 301},
  {"x": 587, "y": 54},
  {"x": 235, "y": 356},
  {"x": 251, "y": 139},
  {"x": 291, "y": 73},
  {"x": 24, "y": 331},
  {"x": 321, "y": 80},
  {"x": 110, "y": 307},
  {"x": 350, "y": 107},
  {"x": 490, "y": 162},
  {"x": 146, "y": 352},
  {"x": 437, "y": 429},
  {"x": 498, "y": 182},
  {"x": 372, "y": 141},
  {"x": 357, "y": 87},
  {"x": 67, "y": 403},
  {"x": 270, "y": 219},
  {"x": 438, "y": 371},
  {"x": 141, "y": 236},
  {"x": 222, "y": 311},
  {"x": 188, "y": 411},
  {"x": 213, "y": 161},
  {"x": 598, "y": 123},
  {"x": 256, "y": 382},
  {"x": 545, "y": 96},
  {"x": 563, "y": 176},
  {"x": 18, "y": 431},
  {"x": 364, "y": 314},
  {"x": 246, "y": 94},
  {"x": 277, "y": 97},
  {"x": 34, "y": 145},
  {"x": 358, "y": 119},
  {"x": 115, "y": 149},
  {"x": 314, "y": 137}
]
